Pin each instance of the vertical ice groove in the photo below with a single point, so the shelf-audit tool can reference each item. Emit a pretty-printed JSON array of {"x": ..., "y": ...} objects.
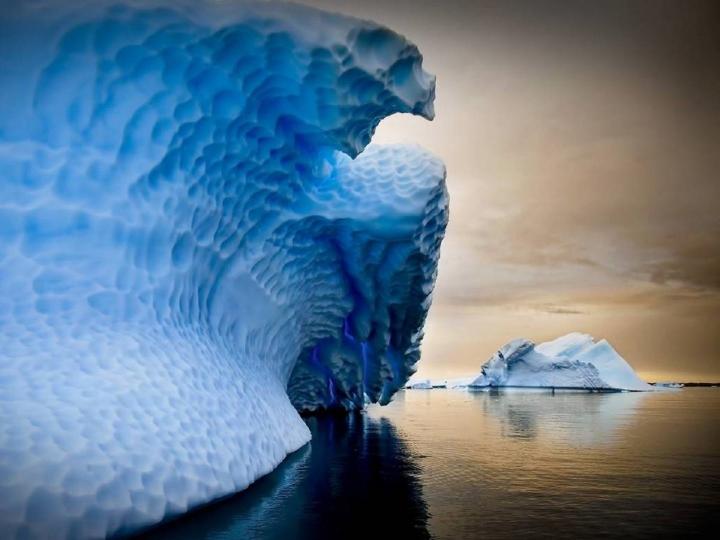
[{"x": 197, "y": 241}]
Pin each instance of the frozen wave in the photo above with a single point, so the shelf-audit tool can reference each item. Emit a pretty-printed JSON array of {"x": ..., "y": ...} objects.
[{"x": 190, "y": 250}]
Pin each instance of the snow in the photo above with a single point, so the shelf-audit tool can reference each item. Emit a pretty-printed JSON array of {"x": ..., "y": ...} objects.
[
  {"x": 572, "y": 361},
  {"x": 196, "y": 242}
]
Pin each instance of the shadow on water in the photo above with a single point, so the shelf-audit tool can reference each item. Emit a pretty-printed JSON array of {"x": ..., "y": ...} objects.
[{"x": 356, "y": 478}]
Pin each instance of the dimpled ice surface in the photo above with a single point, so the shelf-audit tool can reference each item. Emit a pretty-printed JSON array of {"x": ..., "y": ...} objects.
[{"x": 196, "y": 242}]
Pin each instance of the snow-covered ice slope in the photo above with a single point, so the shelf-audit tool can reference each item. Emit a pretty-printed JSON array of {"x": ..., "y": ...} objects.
[
  {"x": 572, "y": 361},
  {"x": 194, "y": 243}
]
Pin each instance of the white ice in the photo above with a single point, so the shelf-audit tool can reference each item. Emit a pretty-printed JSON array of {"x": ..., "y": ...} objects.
[{"x": 572, "y": 361}]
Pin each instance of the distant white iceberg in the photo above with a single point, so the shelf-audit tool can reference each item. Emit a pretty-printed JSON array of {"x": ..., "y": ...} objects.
[
  {"x": 423, "y": 384},
  {"x": 574, "y": 361}
]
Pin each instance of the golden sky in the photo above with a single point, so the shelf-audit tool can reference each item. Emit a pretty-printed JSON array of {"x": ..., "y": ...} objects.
[{"x": 582, "y": 142}]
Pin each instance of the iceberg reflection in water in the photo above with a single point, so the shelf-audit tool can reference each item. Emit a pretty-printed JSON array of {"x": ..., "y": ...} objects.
[
  {"x": 356, "y": 477},
  {"x": 510, "y": 464},
  {"x": 576, "y": 417}
]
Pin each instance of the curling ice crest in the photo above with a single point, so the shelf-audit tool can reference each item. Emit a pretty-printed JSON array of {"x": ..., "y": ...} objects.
[{"x": 195, "y": 243}]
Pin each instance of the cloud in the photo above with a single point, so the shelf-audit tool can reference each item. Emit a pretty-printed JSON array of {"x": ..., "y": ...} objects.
[
  {"x": 559, "y": 310},
  {"x": 694, "y": 261},
  {"x": 581, "y": 145}
]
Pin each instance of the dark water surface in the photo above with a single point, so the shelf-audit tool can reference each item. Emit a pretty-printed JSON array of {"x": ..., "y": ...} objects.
[{"x": 452, "y": 464}]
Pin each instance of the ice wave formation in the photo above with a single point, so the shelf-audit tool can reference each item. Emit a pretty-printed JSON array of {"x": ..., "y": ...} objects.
[
  {"x": 573, "y": 361},
  {"x": 196, "y": 243}
]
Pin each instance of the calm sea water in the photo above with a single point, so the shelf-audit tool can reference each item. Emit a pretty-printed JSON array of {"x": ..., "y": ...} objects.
[{"x": 453, "y": 464}]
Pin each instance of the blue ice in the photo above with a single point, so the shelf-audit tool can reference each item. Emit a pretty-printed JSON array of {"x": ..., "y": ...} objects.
[{"x": 196, "y": 242}]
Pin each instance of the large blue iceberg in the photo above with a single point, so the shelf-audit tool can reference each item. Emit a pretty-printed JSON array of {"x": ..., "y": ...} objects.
[{"x": 196, "y": 242}]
